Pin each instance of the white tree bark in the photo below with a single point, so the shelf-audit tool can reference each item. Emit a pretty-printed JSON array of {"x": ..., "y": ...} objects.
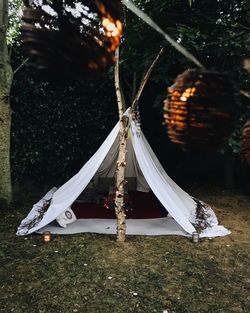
[
  {"x": 6, "y": 76},
  {"x": 121, "y": 162}
]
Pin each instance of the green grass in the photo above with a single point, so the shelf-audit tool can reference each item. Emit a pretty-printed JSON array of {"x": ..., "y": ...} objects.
[{"x": 149, "y": 274}]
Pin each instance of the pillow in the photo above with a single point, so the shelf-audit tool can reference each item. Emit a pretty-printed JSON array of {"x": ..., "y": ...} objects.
[{"x": 67, "y": 217}]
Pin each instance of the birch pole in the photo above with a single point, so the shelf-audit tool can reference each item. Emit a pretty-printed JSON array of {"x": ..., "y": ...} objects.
[
  {"x": 145, "y": 79},
  {"x": 121, "y": 161},
  {"x": 6, "y": 76}
]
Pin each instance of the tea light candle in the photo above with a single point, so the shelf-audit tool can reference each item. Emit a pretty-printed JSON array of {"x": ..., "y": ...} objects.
[
  {"x": 195, "y": 237},
  {"x": 46, "y": 236}
]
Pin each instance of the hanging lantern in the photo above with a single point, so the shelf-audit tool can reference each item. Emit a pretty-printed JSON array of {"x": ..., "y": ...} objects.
[
  {"x": 200, "y": 108},
  {"x": 246, "y": 142},
  {"x": 72, "y": 38}
]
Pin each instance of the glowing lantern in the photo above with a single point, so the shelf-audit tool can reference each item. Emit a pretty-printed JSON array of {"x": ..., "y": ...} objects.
[
  {"x": 246, "y": 142},
  {"x": 200, "y": 108},
  {"x": 72, "y": 38},
  {"x": 46, "y": 236}
]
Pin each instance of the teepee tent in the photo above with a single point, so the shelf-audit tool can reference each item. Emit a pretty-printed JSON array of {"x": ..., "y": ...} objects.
[{"x": 141, "y": 164}]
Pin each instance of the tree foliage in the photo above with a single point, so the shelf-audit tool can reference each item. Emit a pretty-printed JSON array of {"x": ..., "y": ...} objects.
[
  {"x": 15, "y": 12},
  {"x": 56, "y": 126},
  {"x": 216, "y": 32}
]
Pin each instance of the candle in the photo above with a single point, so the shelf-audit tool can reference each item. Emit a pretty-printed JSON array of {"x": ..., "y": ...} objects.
[
  {"x": 195, "y": 237},
  {"x": 46, "y": 236}
]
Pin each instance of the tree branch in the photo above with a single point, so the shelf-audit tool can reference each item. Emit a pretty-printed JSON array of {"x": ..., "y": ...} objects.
[
  {"x": 245, "y": 93},
  {"x": 145, "y": 79},
  {"x": 226, "y": 39},
  {"x": 20, "y": 66},
  {"x": 131, "y": 6},
  {"x": 243, "y": 26},
  {"x": 117, "y": 84},
  {"x": 134, "y": 86}
]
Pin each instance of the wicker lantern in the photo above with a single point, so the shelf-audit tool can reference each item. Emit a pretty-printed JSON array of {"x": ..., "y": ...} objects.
[
  {"x": 200, "y": 109},
  {"x": 246, "y": 142},
  {"x": 72, "y": 38}
]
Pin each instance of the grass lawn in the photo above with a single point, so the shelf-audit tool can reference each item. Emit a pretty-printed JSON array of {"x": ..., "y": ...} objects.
[{"x": 92, "y": 273}]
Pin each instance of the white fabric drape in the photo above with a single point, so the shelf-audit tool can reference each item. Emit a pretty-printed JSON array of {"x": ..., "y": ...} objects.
[
  {"x": 70, "y": 191},
  {"x": 108, "y": 166},
  {"x": 178, "y": 203},
  {"x": 143, "y": 164}
]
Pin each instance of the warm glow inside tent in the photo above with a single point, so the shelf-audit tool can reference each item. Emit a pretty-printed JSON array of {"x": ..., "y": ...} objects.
[{"x": 156, "y": 205}]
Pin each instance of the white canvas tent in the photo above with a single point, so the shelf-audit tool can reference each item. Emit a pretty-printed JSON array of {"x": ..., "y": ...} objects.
[{"x": 142, "y": 163}]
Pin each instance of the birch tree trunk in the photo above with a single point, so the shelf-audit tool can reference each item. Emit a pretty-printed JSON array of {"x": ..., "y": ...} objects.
[
  {"x": 123, "y": 125},
  {"x": 120, "y": 167},
  {"x": 6, "y": 76}
]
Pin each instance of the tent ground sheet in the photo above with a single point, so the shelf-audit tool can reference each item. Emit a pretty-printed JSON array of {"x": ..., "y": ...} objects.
[{"x": 149, "y": 227}]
